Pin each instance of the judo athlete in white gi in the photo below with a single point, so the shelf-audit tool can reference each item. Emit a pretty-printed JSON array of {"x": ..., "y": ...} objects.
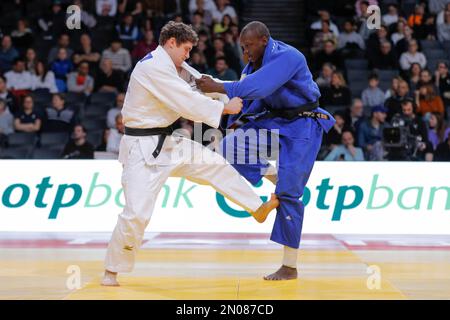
[{"x": 156, "y": 97}]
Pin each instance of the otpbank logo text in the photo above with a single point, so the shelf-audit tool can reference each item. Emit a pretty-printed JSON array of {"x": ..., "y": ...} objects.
[{"x": 329, "y": 197}]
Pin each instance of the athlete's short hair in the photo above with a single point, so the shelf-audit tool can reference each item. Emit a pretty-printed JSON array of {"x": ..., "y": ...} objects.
[{"x": 178, "y": 30}]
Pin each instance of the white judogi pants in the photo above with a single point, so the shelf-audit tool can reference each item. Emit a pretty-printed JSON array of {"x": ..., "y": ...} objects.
[{"x": 143, "y": 177}]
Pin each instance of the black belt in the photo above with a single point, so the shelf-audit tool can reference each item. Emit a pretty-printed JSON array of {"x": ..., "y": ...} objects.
[{"x": 161, "y": 132}]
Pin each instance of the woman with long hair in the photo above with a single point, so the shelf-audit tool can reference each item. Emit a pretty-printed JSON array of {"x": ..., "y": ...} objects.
[{"x": 438, "y": 131}]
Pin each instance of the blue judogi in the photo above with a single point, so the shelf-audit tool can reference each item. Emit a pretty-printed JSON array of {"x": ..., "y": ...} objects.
[{"x": 283, "y": 81}]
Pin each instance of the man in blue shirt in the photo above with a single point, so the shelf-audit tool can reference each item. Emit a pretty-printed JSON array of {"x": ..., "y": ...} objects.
[{"x": 282, "y": 99}]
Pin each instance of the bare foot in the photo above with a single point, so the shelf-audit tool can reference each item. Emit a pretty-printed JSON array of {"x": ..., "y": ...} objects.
[
  {"x": 284, "y": 273},
  {"x": 263, "y": 211},
  {"x": 110, "y": 279}
]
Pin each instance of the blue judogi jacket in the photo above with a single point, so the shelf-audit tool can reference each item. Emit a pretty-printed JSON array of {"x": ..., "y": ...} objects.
[{"x": 283, "y": 81}]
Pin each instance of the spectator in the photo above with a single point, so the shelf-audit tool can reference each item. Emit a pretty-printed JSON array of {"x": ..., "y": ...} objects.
[
  {"x": 18, "y": 78},
  {"x": 63, "y": 42},
  {"x": 403, "y": 44},
  {"x": 44, "y": 78},
  {"x": 399, "y": 34},
  {"x": 438, "y": 132},
  {"x": 371, "y": 132},
  {"x": 31, "y": 60},
  {"x": 8, "y": 54},
  {"x": 338, "y": 94},
  {"x": 6, "y": 96},
  {"x": 328, "y": 54},
  {"x": 442, "y": 152},
  {"x": 375, "y": 40},
  {"x": 113, "y": 112},
  {"x": 442, "y": 77},
  {"x": 27, "y": 120},
  {"x": 106, "y": 7},
  {"x": 347, "y": 150},
  {"x": 394, "y": 103},
  {"x": 334, "y": 137},
  {"x": 411, "y": 56},
  {"x": 51, "y": 23},
  {"x": 120, "y": 57},
  {"x": 61, "y": 68},
  {"x": 146, "y": 45},
  {"x": 78, "y": 147},
  {"x": 198, "y": 61},
  {"x": 108, "y": 79},
  {"x": 385, "y": 59},
  {"x": 443, "y": 29},
  {"x": 373, "y": 95},
  {"x": 22, "y": 37},
  {"x": 58, "y": 117},
  {"x": 86, "y": 18},
  {"x": 428, "y": 101},
  {"x": 324, "y": 79},
  {"x": 354, "y": 115},
  {"x": 87, "y": 53},
  {"x": 81, "y": 81},
  {"x": 391, "y": 17},
  {"x": 6, "y": 123},
  {"x": 440, "y": 18},
  {"x": 393, "y": 88},
  {"x": 421, "y": 23},
  {"x": 115, "y": 135},
  {"x": 198, "y": 24},
  {"x": 325, "y": 34},
  {"x": 324, "y": 16},
  {"x": 220, "y": 48},
  {"x": 223, "y": 26},
  {"x": 224, "y": 9},
  {"x": 128, "y": 31},
  {"x": 222, "y": 72},
  {"x": 350, "y": 42},
  {"x": 414, "y": 76},
  {"x": 205, "y": 7}
]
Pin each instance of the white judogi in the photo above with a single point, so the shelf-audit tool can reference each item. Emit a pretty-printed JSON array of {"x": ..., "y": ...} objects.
[{"x": 156, "y": 97}]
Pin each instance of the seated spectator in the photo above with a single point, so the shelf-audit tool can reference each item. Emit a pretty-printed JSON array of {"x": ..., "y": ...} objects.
[
  {"x": 399, "y": 33},
  {"x": 22, "y": 36},
  {"x": 411, "y": 56},
  {"x": 80, "y": 81},
  {"x": 324, "y": 16},
  {"x": 394, "y": 103},
  {"x": 146, "y": 45},
  {"x": 113, "y": 112},
  {"x": 6, "y": 123},
  {"x": 422, "y": 23},
  {"x": 402, "y": 45},
  {"x": 222, "y": 72},
  {"x": 128, "y": 31},
  {"x": 443, "y": 29},
  {"x": 426, "y": 79},
  {"x": 414, "y": 76},
  {"x": 391, "y": 16},
  {"x": 7, "y": 96},
  {"x": 108, "y": 79},
  {"x": 223, "y": 8},
  {"x": 58, "y": 117},
  {"x": 385, "y": 59},
  {"x": 106, "y": 7},
  {"x": 442, "y": 77},
  {"x": 324, "y": 79},
  {"x": 223, "y": 26},
  {"x": 18, "y": 78},
  {"x": 63, "y": 43},
  {"x": 233, "y": 43},
  {"x": 204, "y": 7},
  {"x": 373, "y": 95},
  {"x": 44, "y": 78},
  {"x": 78, "y": 147},
  {"x": 88, "y": 20},
  {"x": 31, "y": 61},
  {"x": 440, "y": 17},
  {"x": 220, "y": 49},
  {"x": 375, "y": 40},
  {"x": 442, "y": 152},
  {"x": 371, "y": 132},
  {"x": 198, "y": 61},
  {"x": 115, "y": 135},
  {"x": 27, "y": 120},
  {"x": 428, "y": 101},
  {"x": 438, "y": 132},
  {"x": 322, "y": 36},
  {"x": 50, "y": 23},
  {"x": 334, "y": 137},
  {"x": 8, "y": 54},
  {"x": 347, "y": 150},
  {"x": 328, "y": 54},
  {"x": 350, "y": 42},
  {"x": 338, "y": 94},
  {"x": 354, "y": 116},
  {"x": 393, "y": 88},
  {"x": 198, "y": 23},
  {"x": 61, "y": 67},
  {"x": 120, "y": 57},
  {"x": 87, "y": 53}
]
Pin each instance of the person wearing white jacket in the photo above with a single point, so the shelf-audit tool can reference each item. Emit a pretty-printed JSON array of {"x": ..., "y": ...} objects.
[{"x": 156, "y": 97}]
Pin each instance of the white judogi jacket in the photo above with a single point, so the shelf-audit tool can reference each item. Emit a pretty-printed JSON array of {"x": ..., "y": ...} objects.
[{"x": 157, "y": 96}]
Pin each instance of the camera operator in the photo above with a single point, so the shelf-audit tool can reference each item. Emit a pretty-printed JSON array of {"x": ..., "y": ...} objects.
[{"x": 407, "y": 137}]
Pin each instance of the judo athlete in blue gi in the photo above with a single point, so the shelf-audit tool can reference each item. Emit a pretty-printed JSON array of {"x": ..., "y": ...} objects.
[{"x": 278, "y": 87}]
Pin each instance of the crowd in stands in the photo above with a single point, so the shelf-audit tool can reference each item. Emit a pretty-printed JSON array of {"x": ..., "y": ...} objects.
[{"x": 61, "y": 90}]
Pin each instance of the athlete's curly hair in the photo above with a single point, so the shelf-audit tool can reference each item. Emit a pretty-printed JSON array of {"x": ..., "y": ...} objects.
[{"x": 180, "y": 31}]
